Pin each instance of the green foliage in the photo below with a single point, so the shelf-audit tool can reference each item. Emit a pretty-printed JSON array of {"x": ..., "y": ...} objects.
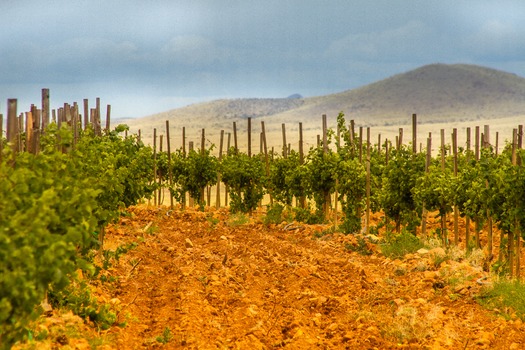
[
  {"x": 192, "y": 173},
  {"x": 321, "y": 174},
  {"x": 165, "y": 337},
  {"x": 308, "y": 216},
  {"x": 51, "y": 207},
  {"x": 396, "y": 246},
  {"x": 244, "y": 176},
  {"x": 361, "y": 247},
  {"x": 78, "y": 297},
  {"x": 399, "y": 179},
  {"x": 436, "y": 189},
  {"x": 506, "y": 296},
  {"x": 238, "y": 219},
  {"x": 351, "y": 176},
  {"x": 109, "y": 257},
  {"x": 288, "y": 179},
  {"x": 274, "y": 214}
]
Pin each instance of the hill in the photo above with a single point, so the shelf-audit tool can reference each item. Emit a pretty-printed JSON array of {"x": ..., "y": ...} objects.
[{"x": 438, "y": 93}]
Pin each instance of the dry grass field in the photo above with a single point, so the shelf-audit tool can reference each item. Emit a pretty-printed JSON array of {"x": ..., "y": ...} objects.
[{"x": 443, "y": 97}]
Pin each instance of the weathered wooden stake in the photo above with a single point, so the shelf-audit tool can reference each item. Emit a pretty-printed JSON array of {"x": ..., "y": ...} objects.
[
  {"x": 45, "y": 108},
  {"x": 249, "y": 137},
  {"x": 219, "y": 175},
  {"x": 414, "y": 133},
  {"x": 170, "y": 172}
]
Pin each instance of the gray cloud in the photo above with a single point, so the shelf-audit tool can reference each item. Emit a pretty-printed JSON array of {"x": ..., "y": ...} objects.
[{"x": 157, "y": 55}]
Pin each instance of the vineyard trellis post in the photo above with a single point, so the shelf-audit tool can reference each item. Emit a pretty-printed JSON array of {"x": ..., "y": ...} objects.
[
  {"x": 455, "y": 159},
  {"x": 467, "y": 219},
  {"x": 265, "y": 150},
  {"x": 414, "y": 133},
  {"x": 235, "y": 144},
  {"x": 476, "y": 155},
  {"x": 367, "y": 214},
  {"x": 249, "y": 136},
  {"x": 285, "y": 148},
  {"x": 518, "y": 236},
  {"x": 12, "y": 124},
  {"x": 360, "y": 144},
  {"x": 155, "y": 164},
  {"x": 170, "y": 171},
  {"x": 424, "y": 212},
  {"x": 302, "y": 198},
  {"x": 327, "y": 196},
  {"x": 444, "y": 217},
  {"x": 86, "y": 113},
  {"x": 45, "y": 108},
  {"x": 108, "y": 118},
  {"x": 219, "y": 175},
  {"x": 1, "y": 135}
]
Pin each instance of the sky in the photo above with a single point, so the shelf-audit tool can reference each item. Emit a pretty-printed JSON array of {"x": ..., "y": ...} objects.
[{"x": 146, "y": 57}]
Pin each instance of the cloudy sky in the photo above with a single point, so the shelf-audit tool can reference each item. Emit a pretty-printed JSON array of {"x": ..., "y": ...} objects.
[{"x": 144, "y": 57}]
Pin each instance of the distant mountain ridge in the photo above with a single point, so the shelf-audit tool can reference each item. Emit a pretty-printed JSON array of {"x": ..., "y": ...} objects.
[{"x": 436, "y": 92}]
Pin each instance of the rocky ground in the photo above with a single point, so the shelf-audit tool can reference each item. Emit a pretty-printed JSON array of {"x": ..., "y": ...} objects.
[{"x": 209, "y": 280}]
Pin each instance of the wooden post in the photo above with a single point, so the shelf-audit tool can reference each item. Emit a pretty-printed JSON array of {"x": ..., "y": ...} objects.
[
  {"x": 400, "y": 141},
  {"x": 191, "y": 201},
  {"x": 387, "y": 151},
  {"x": 108, "y": 118},
  {"x": 467, "y": 219},
  {"x": 476, "y": 145},
  {"x": 486, "y": 139},
  {"x": 496, "y": 143},
  {"x": 86, "y": 114},
  {"x": 444, "y": 217},
  {"x": 184, "y": 141},
  {"x": 485, "y": 144},
  {"x": 285, "y": 153},
  {"x": 424, "y": 212},
  {"x": 327, "y": 197},
  {"x": 235, "y": 137},
  {"x": 155, "y": 163},
  {"x": 12, "y": 122},
  {"x": 367, "y": 214},
  {"x": 302, "y": 199},
  {"x": 325, "y": 134},
  {"x": 75, "y": 117},
  {"x": 219, "y": 175},
  {"x": 265, "y": 149},
  {"x": 249, "y": 136},
  {"x": 456, "y": 209},
  {"x": 29, "y": 132},
  {"x": 301, "y": 149},
  {"x": 203, "y": 141},
  {"x": 20, "y": 121},
  {"x": 518, "y": 228},
  {"x": 414, "y": 133},
  {"x": 45, "y": 108},
  {"x": 1, "y": 135},
  {"x": 98, "y": 126},
  {"x": 170, "y": 172},
  {"x": 512, "y": 234},
  {"x": 226, "y": 189},
  {"x": 360, "y": 144},
  {"x": 203, "y": 151}
]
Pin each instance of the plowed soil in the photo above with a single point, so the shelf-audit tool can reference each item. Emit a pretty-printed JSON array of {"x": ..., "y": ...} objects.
[
  {"x": 207, "y": 280},
  {"x": 211, "y": 280}
]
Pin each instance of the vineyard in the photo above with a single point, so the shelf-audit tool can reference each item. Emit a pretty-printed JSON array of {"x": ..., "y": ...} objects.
[{"x": 80, "y": 206}]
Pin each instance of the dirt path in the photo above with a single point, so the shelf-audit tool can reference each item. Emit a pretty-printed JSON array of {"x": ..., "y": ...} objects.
[{"x": 219, "y": 284}]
